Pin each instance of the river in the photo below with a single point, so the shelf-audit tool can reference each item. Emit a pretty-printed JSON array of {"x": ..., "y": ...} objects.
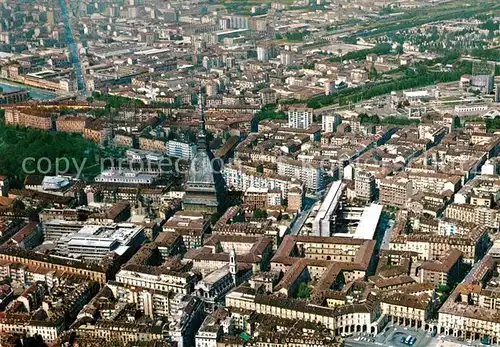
[{"x": 35, "y": 93}]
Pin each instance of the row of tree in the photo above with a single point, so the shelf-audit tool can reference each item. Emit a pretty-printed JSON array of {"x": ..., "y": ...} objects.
[
  {"x": 416, "y": 18},
  {"x": 420, "y": 78},
  {"x": 380, "y": 49},
  {"x": 114, "y": 101},
  {"x": 270, "y": 112},
  {"x": 366, "y": 119}
]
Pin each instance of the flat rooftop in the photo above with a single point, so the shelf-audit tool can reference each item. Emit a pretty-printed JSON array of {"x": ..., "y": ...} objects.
[{"x": 368, "y": 223}]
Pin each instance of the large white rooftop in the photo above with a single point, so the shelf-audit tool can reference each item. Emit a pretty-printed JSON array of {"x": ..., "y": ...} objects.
[
  {"x": 368, "y": 223},
  {"x": 80, "y": 241},
  {"x": 416, "y": 94},
  {"x": 112, "y": 237},
  {"x": 322, "y": 221},
  {"x": 330, "y": 201},
  {"x": 54, "y": 182}
]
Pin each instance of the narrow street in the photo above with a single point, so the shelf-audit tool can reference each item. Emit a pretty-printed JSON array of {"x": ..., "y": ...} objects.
[{"x": 301, "y": 219}]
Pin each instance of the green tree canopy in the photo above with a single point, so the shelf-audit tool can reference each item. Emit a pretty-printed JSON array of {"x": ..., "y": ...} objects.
[
  {"x": 304, "y": 291},
  {"x": 258, "y": 213}
]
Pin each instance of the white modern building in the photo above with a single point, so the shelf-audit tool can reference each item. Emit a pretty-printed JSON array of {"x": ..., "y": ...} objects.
[
  {"x": 54, "y": 182},
  {"x": 286, "y": 58},
  {"x": 330, "y": 122},
  {"x": 414, "y": 96},
  {"x": 138, "y": 155},
  {"x": 263, "y": 53},
  {"x": 93, "y": 242},
  {"x": 312, "y": 174},
  {"x": 300, "y": 117},
  {"x": 472, "y": 109},
  {"x": 240, "y": 179},
  {"x": 182, "y": 150}
]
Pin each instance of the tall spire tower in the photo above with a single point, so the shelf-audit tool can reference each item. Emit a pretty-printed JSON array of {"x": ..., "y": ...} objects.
[
  {"x": 205, "y": 185},
  {"x": 202, "y": 133}
]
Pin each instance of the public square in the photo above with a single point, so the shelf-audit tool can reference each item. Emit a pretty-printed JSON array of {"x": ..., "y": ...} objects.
[{"x": 391, "y": 337}]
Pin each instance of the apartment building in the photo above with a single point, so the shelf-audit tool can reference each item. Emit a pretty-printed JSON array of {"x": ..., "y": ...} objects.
[
  {"x": 364, "y": 185},
  {"x": 329, "y": 122},
  {"x": 395, "y": 191},
  {"x": 361, "y": 317},
  {"x": 295, "y": 199},
  {"x": 434, "y": 247},
  {"x": 94, "y": 272},
  {"x": 268, "y": 96},
  {"x": 434, "y": 182},
  {"x": 22, "y": 317},
  {"x": 192, "y": 226},
  {"x": 211, "y": 330},
  {"x": 31, "y": 118},
  {"x": 262, "y": 155},
  {"x": 119, "y": 331},
  {"x": 124, "y": 140},
  {"x": 474, "y": 214},
  {"x": 156, "y": 278},
  {"x": 300, "y": 117},
  {"x": 49, "y": 332},
  {"x": 483, "y": 190},
  {"x": 97, "y": 133},
  {"x": 71, "y": 124},
  {"x": 262, "y": 198},
  {"x": 445, "y": 271},
  {"x": 154, "y": 145},
  {"x": 28, "y": 237},
  {"x": 312, "y": 174},
  {"x": 182, "y": 150},
  {"x": 471, "y": 310},
  {"x": 241, "y": 179}
]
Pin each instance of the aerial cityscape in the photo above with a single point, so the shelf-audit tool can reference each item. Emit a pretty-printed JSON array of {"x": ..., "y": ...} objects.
[{"x": 258, "y": 173}]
